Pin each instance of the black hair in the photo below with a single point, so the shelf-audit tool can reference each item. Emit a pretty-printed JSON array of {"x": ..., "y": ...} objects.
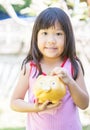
[{"x": 46, "y": 19}]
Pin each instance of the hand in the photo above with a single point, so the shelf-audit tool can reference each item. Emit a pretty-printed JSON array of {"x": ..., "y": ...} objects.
[
  {"x": 45, "y": 106},
  {"x": 62, "y": 74},
  {"x": 53, "y": 105}
]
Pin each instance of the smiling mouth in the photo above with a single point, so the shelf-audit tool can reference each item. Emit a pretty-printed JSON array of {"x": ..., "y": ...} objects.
[{"x": 50, "y": 48}]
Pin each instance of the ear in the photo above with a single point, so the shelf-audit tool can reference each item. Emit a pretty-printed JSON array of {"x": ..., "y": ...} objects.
[{"x": 39, "y": 77}]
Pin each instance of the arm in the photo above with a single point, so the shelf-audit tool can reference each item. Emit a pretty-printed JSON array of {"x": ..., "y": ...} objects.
[
  {"x": 77, "y": 88},
  {"x": 17, "y": 99},
  {"x": 78, "y": 91}
]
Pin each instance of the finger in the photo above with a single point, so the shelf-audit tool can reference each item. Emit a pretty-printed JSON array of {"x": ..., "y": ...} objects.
[
  {"x": 62, "y": 75},
  {"x": 53, "y": 105},
  {"x": 46, "y": 103},
  {"x": 56, "y": 71},
  {"x": 52, "y": 73},
  {"x": 36, "y": 102}
]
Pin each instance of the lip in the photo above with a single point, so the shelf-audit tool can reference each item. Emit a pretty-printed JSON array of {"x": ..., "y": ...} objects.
[{"x": 50, "y": 48}]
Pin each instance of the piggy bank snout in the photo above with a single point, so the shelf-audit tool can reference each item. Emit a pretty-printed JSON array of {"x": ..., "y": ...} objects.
[{"x": 46, "y": 88}]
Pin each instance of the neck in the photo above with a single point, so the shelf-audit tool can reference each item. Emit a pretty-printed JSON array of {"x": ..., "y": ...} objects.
[{"x": 51, "y": 61}]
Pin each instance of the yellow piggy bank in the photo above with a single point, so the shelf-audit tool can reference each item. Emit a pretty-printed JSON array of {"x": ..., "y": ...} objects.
[{"x": 49, "y": 88}]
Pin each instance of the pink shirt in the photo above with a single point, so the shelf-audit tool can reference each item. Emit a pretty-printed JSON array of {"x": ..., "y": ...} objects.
[{"x": 65, "y": 117}]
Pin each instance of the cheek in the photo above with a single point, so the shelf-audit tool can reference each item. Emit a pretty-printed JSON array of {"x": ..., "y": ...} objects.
[
  {"x": 40, "y": 46},
  {"x": 41, "y": 42},
  {"x": 61, "y": 48},
  {"x": 61, "y": 44}
]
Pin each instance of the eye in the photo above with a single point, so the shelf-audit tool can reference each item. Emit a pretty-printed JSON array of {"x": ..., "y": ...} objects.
[
  {"x": 59, "y": 33},
  {"x": 45, "y": 33},
  {"x": 53, "y": 84},
  {"x": 41, "y": 83}
]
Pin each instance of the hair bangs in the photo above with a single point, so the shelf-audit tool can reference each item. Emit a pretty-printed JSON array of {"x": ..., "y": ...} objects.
[{"x": 48, "y": 20}]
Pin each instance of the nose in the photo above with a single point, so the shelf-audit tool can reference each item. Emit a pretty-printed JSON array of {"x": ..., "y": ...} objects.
[
  {"x": 46, "y": 88},
  {"x": 51, "y": 39}
]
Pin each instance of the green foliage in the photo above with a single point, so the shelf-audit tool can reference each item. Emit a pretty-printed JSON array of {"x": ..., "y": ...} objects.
[
  {"x": 70, "y": 4},
  {"x": 22, "y": 128},
  {"x": 19, "y": 7},
  {"x": 13, "y": 128},
  {"x": 2, "y": 9},
  {"x": 86, "y": 127}
]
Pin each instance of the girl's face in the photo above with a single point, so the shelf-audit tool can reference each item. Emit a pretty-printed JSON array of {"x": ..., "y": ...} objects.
[{"x": 51, "y": 41}]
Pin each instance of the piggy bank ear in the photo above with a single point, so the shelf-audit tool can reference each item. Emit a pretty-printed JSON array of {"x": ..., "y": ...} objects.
[{"x": 39, "y": 77}]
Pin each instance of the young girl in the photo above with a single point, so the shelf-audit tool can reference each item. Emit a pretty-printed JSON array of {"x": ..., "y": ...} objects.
[{"x": 52, "y": 52}]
